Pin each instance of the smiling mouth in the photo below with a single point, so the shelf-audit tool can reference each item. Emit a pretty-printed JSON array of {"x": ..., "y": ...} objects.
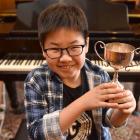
[{"x": 65, "y": 67}]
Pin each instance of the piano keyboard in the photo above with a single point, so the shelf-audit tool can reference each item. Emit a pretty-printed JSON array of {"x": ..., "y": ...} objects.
[
  {"x": 25, "y": 63},
  {"x": 20, "y": 63}
]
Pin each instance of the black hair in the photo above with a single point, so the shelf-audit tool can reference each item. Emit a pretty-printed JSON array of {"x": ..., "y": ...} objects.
[{"x": 61, "y": 15}]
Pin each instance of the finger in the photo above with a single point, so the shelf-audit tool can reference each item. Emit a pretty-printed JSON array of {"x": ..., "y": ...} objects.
[
  {"x": 112, "y": 96},
  {"x": 127, "y": 96},
  {"x": 111, "y": 91},
  {"x": 109, "y": 105},
  {"x": 121, "y": 97},
  {"x": 107, "y": 85},
  {"x": 127, "y": 111},
  {"x": 126, "y": 105},
  {"x": 122, "y": 100}
]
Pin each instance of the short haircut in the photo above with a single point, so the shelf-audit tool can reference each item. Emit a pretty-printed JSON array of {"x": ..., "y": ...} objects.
[{"x": 60, "y": 15}]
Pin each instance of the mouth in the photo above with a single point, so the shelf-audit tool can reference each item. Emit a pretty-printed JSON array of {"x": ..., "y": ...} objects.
[{"x": 66, "y": 67}]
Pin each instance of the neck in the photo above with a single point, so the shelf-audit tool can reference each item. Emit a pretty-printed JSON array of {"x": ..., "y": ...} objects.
[{"x": 73, "y": 82}]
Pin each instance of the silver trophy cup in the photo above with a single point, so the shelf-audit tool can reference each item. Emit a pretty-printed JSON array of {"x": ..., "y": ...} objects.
[{"x": 117, "y": 55}]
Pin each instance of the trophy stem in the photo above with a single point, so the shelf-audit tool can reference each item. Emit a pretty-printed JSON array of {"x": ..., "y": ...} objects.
[
  {"x": 115, "y": 79},
  {"x": 115, "y": 76}
]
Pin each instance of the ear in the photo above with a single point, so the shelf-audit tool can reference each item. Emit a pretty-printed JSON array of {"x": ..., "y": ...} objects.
[
  {"x": 44, "y": 54},
  {"x": 87, "y": 44}
]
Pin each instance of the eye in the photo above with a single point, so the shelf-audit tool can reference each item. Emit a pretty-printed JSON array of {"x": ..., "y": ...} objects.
[
  {"x": 54, "y": 50},
  {"x": 75, "y": 48}
]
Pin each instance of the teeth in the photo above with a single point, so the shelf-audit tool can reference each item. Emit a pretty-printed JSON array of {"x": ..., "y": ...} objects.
[{"x": 66, "y": 67}]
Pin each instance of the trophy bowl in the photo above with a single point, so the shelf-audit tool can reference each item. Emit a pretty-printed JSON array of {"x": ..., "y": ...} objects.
[{"x": 118, "y": 55}]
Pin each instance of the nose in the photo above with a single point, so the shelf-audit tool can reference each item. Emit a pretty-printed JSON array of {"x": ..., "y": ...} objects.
[{"x": 65, "y": 56}]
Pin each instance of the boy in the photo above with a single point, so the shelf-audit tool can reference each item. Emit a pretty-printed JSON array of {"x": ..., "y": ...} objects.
[{"x": 69, "y": 97}]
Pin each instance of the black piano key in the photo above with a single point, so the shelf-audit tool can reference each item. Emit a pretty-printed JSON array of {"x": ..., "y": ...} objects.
[
  {"x": 7, "y": 62},
  {"x": 38, "y": 62},
  {"x": 16, "y": 61},
  {"x": 26, "y": 62},
  {"x": 29, "y": 61},
  {"x": 10, "y": 61},
  {"x": 41, "y": 61},
  {"x": 35, "y": 62},
  {"x": 1, "y": 61},
  {"x": 21, "y": 62}
]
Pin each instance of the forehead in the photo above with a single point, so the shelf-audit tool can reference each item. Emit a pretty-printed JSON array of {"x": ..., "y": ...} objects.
[{"x": 64, "y": 35}]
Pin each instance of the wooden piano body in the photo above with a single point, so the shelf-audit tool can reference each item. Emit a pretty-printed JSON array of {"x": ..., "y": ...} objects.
[{"x": 20, "y": 50}]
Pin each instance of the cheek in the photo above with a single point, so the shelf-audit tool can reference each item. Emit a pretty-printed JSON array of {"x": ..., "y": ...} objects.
[
  {"x": 52, "y": 64},
  {"x": 81, "y": 61}
]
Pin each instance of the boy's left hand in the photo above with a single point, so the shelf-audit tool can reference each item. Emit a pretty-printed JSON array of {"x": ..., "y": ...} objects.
[{"x": 127, "y": 103}]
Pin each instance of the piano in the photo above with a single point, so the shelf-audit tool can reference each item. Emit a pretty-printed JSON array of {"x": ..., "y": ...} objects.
[{"x": 20, "y": 51}]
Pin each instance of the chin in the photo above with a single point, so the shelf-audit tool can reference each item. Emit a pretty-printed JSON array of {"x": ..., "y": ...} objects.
[{"x": 66, "y": 75}]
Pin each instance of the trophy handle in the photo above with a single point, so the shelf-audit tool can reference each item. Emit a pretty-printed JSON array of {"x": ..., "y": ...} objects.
[
  {"x": 102, "y": 45},
  {"x": 137, "y": 51}
]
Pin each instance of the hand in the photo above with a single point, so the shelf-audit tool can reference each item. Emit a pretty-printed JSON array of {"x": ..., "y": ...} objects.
[
  {"x": 100, "y": 95},
  {"x": 127, "y": 102}
]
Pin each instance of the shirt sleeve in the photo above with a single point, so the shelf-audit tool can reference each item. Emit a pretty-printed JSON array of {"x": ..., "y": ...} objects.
[
  {"x": 51, "y": 126},
  {"x": 107, "y": 118},
  {"x": 41, "y": 123}
]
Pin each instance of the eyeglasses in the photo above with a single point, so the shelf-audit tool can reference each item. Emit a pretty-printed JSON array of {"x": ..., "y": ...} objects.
[{"x": 74, "y": 50}]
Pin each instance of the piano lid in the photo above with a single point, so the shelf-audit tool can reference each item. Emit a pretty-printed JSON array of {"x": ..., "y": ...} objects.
[
  {"x": 27, "y": 15},
  {"x": 102, "y": 15}
]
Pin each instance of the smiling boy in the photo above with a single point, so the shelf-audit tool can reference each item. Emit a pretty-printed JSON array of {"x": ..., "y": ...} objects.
[{"x": 67, "y": 98}]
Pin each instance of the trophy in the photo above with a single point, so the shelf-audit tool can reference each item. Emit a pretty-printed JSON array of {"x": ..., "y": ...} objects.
[{"x": 117, "y": 55}]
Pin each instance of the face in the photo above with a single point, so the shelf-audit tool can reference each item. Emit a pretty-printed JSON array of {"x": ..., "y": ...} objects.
[{"x": 67, "y": 67}]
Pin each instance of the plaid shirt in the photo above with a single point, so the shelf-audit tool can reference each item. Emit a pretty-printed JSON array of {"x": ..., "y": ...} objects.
[{"x": 44, "y": 101}]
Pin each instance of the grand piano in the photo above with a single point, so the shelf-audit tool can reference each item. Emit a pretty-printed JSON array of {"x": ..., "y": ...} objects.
[{"x": 20, "y": 51}]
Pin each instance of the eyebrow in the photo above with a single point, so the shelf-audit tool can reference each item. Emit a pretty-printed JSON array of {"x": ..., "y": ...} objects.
[{"x": 57, "y": 44}]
